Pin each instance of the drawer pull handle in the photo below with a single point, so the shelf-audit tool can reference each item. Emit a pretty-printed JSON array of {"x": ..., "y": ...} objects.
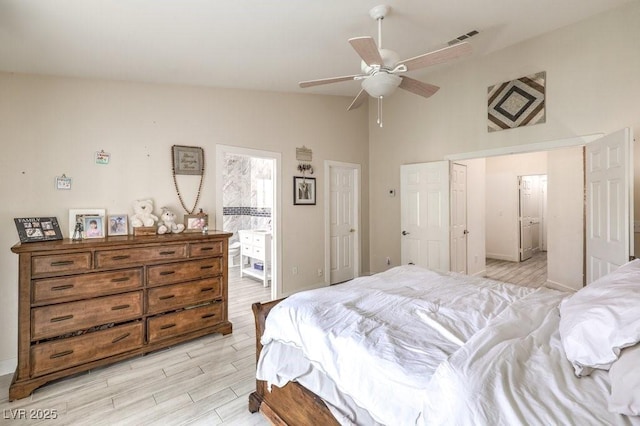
[
  {"x": 206, "y": 267},
  {"x": 206, "y": 289},
  {"x": 121, "y": 257},
  {"x": 120, "y": 280},
  {"x": 124, "y": 336},
  {"x": 167, "y": 272},
  {"x": 62, "y": 287},
  {"x": 206, "y": 248},
  {"x": 169, "y": 296},
  {"x": 63, "y": 318},
  {"x": 61, "y": 354},
  {"x": 119, "y": 307},
  {"x": 167, "y": 326},
  {"x": 168, "y": 252},
  {"x": 62, "y": 263},
  {"x": 205, "y": 316}
]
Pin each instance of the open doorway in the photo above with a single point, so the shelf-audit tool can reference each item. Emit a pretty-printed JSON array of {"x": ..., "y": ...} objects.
[
  {"x": 535, "y": 217},
  {"x": 247, "y": 205},
  {"x": 584, "y": 199},
  {"x": 532, "y": 199}
]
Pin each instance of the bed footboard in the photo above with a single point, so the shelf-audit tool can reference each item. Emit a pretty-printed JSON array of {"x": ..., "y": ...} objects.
[{"x": 292, "y": 404}]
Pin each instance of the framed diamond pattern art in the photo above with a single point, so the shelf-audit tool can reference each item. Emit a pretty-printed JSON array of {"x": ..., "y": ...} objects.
[{"x": 517, "y": 103}]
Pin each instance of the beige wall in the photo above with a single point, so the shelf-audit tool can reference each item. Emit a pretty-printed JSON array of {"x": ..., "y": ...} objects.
[
  {"x": 50, "y": 126},
  {"x": 592, "y": 87},
  {"x": 565, "y": 218}
]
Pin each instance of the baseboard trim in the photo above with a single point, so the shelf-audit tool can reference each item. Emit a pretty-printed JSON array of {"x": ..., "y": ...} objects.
[
  {"x": 8, "y": 366},
  {"x": 480, "y": 273},
  {"x": 502, "y": 257},
  {"x": 559, "y": 286}
]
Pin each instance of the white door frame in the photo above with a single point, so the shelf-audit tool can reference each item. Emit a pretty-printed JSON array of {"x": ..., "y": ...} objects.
[
  {"x": 328, "y": 164},
  {"x": 522, "y": 149},
  {"x": 276, "y": 225}
]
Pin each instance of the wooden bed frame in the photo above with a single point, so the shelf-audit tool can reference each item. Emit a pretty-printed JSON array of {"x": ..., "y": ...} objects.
[{"x": 292, "y": 404}]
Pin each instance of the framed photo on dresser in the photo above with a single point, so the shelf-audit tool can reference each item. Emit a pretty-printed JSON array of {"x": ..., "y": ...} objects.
[{"x": 32, "y": 229}]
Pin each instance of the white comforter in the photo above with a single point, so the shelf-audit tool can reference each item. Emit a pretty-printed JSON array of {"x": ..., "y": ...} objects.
[
  {"x": 379, "y": 339},
  {"x": 515, "y": 372}
]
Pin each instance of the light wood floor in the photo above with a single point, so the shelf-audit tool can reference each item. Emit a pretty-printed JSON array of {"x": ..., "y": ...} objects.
[
  {"x": 530, "y": 273},
  {"x": 203, "y": 382}
]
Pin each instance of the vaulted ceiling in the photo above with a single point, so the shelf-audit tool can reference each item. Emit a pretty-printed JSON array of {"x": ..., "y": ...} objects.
[{"x": 255, "y": 44}]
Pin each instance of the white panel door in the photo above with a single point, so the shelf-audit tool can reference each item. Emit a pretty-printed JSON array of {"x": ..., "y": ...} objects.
[
  {"x": 342, "y": 224},
  {"x": 525, "y": 217},
  {"x": 609, "y": 210},
  {"x": 459, "y": 218},
  {"x": 425, "y": 214}
]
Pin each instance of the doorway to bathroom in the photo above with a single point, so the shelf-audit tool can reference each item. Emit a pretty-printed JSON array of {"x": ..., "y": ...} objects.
[{"x": 248, "y": 205}]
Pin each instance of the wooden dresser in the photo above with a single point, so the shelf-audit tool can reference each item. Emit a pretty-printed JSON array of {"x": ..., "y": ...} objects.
[{"x": 83, "y": 304}]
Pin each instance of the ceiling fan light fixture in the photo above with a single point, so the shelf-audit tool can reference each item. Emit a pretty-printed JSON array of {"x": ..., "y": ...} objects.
[{"x": 381, "y": 84}]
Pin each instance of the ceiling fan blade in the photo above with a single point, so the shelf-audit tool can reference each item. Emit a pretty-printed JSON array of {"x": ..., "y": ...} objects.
[
  {"x": 367, "y": 49},
  {"x": 418, "y": 87},
  {"x": 358, "y": 100},
  {"x": 437, "y": 56},
  {"x": 310, "y": 83}
]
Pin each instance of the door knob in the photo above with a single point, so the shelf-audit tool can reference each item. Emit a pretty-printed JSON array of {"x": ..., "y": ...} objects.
[
  {"x": 465, "y": 232},
  {"x": 352, "y": 230},
  {"x": 405, "y": 233}
]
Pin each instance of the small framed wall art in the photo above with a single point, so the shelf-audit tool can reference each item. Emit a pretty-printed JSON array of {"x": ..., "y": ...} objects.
[
  {"x": 188, "y": 160},
  {"x": 32, "y": 229},
  {"x": 304, "y": 190}
]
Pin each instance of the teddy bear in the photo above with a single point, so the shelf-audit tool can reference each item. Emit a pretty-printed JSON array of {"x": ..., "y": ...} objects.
[
  {"x": 168, "y": 223},
  {"x": 143, "y": 214}
]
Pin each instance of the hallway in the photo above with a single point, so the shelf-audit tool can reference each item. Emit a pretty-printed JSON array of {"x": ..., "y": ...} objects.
[{"x": 530, "y": 273}]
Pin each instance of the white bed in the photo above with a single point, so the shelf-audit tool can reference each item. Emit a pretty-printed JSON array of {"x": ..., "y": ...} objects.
[{"x": 413, "y": 347}]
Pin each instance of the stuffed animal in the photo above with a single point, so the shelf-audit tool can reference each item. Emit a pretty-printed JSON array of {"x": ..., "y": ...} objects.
[
  {"x": 143, "y": 214},
  {"x": 168, "y": 223}
]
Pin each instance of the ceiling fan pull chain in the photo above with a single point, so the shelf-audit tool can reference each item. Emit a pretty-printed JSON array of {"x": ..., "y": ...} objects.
[{"x": 380, "y": 111}]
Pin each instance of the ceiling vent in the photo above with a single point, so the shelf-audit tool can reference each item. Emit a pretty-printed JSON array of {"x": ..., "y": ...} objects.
[{"x": 462, "y": 37}]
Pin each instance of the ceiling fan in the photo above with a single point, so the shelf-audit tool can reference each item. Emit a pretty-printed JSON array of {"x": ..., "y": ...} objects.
[{"x": 381, "y": 68}]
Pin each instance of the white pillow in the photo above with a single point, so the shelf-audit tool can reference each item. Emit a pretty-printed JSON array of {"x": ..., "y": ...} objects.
[
  {"x": 625, "y": 383},
  {"x": 602, "y": 318}
]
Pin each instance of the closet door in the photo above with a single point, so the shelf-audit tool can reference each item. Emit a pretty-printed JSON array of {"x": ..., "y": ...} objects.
[
  {"x": 425, "y": 214},
  {"x": 609, "y": 176}
]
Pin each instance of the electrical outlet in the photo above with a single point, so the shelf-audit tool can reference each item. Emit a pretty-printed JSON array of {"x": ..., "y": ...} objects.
[
  {"x": 388, "y": 261},
  {"x": 319, "y": 272},
  {"x": 294, "y": 270}
]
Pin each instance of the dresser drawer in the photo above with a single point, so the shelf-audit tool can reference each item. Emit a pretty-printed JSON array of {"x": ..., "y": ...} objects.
[
  {"x": 55, "y": 320},
  {"x": 213, "y": 248},
  {"x": 166, "y": 326},
  {"x": 171, "y": 297},
  {"x": 183, "y": 271},
  {"x": 76, "y": 287},
  {"x": 108, "y": 258},
  {"x": 71, "y": 262},
  {"x": 65, "y": 353}
]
